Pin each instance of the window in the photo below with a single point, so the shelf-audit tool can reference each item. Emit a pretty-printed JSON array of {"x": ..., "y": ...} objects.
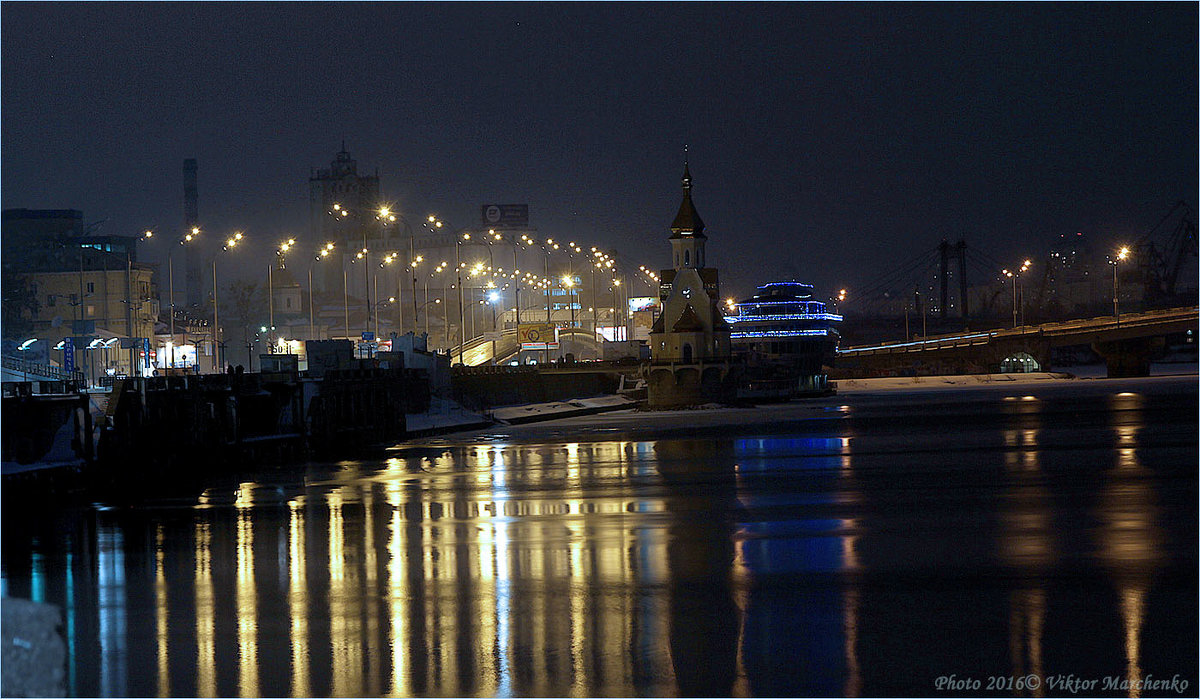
[
  {"x": 90, "y": 310},
  {"x": 289, "y": 302},
  {"x": 91, "y": 287},
  {"x": 687, "y": 258},
  {"x": 51, "y": 300}
]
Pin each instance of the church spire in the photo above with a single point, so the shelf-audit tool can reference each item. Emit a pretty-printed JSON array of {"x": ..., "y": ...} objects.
[
  {"x": 687, "y": 222},
  {"x": 687, "y": 173}
]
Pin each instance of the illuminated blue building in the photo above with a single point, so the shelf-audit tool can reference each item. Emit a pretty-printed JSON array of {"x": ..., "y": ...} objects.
[{"x": 787, "y": 335}]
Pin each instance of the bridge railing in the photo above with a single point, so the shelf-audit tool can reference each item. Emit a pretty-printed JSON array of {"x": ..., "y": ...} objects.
[{"x": 44, "y": 371}]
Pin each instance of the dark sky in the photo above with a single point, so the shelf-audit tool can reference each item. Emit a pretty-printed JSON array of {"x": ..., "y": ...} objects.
[{"x": 827, "y": 141}]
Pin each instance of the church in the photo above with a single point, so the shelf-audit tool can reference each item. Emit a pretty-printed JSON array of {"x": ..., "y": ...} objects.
[{"x": 690, "y": 341}]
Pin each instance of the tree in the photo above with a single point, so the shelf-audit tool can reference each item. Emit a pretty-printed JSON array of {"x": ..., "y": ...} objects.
[{"x": 243, "y": 303}]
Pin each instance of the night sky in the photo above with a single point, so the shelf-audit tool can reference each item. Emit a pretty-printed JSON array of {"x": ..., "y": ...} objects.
[{"x": 827, "y": 142}]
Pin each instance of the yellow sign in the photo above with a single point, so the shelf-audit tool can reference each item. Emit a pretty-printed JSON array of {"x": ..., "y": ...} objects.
[{"x": 539, "y": 334}]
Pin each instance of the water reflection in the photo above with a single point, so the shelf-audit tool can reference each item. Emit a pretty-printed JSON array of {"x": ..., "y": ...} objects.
[
  {"x": 206, "y": 659},
  {"x": 1130, "y": 538},
  {"x": 781, "y": 564}
]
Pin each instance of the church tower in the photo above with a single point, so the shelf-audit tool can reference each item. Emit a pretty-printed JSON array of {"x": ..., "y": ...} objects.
[{"x": 690, "y": 330}]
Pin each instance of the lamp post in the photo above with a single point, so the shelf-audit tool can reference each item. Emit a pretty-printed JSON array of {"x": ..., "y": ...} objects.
[
  {"x": 1121, "y": 255},
  {"x": 1014, "y": 276},
  {"x": 321, "y": 255},
  {"x": 279, "y": 254},
  {"x": 188, "y": 237},
  {"x": 461, "y": 314},
  {"x": 230, "y": 244}
]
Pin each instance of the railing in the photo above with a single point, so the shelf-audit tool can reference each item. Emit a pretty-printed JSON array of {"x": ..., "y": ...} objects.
[{"x": 42, "y": 371}]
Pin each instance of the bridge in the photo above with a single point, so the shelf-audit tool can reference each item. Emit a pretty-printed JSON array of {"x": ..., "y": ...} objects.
[
  {"x": 1126, "y": 343},
  {"x": 478, "y": 351}
]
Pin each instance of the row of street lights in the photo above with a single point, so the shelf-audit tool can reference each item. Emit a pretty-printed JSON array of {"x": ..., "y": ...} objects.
[
  {"x": 603, "y": 261},
  {"x": 1120, "y": 256}
]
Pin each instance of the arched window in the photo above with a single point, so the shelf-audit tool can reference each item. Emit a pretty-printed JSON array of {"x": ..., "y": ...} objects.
[{"x": 687, "y": 353}]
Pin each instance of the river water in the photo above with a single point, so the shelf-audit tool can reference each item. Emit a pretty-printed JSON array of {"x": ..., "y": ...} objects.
[{"x": 868, "y": 544}]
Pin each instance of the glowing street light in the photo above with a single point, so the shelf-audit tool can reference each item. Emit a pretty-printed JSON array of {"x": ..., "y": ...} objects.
[
  {"x": 1122, "y": 254},
  {"x": 230, "y": 244}
]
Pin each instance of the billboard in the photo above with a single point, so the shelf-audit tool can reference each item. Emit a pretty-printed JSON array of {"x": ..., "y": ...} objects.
[
  {"x": 537, "y": 336},
  {"x": 504, "y": 215},
  {"x": 642, "y": 303}
]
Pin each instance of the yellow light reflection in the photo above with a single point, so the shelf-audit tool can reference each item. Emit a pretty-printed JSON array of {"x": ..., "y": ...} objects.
[
  {"x": 344, "y": 623},
  {"x": 247, "y": 608},
  {"x": 371, "y": 586},
  {"x": 1130, "y": 542},
  {"x": 161, "y": 607},
  {"x": 298, "y": 601},
  {"x": 206, "y": 671},
  {"x": 1133, "y": 599},
  {"x": 1027, "y": 612},
  {"x": 397, "y": 588}
]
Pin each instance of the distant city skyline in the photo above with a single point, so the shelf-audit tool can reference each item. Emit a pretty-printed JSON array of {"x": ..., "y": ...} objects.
[{"x": 826, "y": 141}]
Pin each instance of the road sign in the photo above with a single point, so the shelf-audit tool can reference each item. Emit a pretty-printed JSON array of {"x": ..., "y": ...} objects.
[
  {"x": 368, "y": 337},
  {"x": 537, "y": 336},
  {"x": 69, "y": 354}
]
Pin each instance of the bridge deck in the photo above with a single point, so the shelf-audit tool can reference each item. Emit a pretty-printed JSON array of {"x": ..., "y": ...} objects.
[{"x": 1060, "y": 334}]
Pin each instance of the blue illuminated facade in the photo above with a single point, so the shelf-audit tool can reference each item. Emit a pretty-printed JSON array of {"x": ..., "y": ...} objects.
[
  {"x": 778, "y": 312},
  {"x": 786, "y": 336}
]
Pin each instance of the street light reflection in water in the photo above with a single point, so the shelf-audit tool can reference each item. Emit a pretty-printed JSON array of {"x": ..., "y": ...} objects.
[{"x": 804, "y": 563}]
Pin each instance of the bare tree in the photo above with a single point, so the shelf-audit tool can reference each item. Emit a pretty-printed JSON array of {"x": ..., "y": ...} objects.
[{"x": 244, "y": 303}]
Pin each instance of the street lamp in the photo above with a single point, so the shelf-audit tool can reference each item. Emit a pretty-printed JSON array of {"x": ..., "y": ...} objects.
[
  {"x": 279, "y": 253},
  {"x": 189, "y": 236},
  {"x": 458, "y": 270},
  {"x": 569, "y": 285},
  {"x": 230, "y": 244},
  {"x": 1122, "y": 254},
  {"x": 322, "y": 254},
  {"x": 1014, "y": 276}
]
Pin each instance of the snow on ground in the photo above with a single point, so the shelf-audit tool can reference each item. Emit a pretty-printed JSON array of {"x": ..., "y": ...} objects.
[
  {"x": 444, "y": 415},
  {"x": 558, "y": 409}
]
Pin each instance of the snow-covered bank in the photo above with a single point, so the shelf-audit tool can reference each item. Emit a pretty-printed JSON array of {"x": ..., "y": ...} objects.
[{"x": 549, "y": 411}]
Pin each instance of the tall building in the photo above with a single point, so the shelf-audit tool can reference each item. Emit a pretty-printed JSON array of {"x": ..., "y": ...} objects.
[
  {"x": 342, "y": 206},
  {"x": 690, "y": 341}
]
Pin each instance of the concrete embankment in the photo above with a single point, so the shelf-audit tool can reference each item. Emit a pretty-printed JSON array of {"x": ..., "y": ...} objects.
[{"x": 34, "y": 656}]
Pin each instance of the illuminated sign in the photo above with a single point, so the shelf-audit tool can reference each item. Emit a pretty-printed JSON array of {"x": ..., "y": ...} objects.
[
  {"x": 503, "y": 215},
  {"x": 642, "y": 303},
  {"x": 537, "y": 336}
]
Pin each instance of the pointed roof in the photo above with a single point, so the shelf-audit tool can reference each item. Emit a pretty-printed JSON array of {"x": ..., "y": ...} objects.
[
  {"x": 687, "y": 222},
  {"x": 688, "y": 321},
  {"x": 659, "y": 326}
]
